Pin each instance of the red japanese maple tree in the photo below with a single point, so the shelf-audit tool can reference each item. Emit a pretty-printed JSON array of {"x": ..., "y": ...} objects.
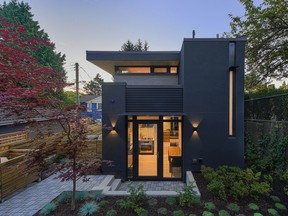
[
  {"x": 24, "y": 83},
  {"x": 28, "y": 89}
]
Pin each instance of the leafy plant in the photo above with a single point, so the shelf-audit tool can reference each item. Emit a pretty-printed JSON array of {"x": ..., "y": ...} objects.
[
  {"x": 207, "y": 213},
  {"x": 233, "y": 207},
  {"x": 111, "y": 212},
  {"x": 97, "y": 195},
  {"x": 137, "y": 196},
  {"x": 141, "y": 211},
  {"x": 152, "y": 202},
  {"x": 49, "y": 208},
  {"x": 58, "y": 157},
  {"x": 209, "y": 205},
  {"x": 121, "y": 203},
  {"x": 284, "y": 176},
  {"x": 178, "y": 213},
  {"x": 275, "y": 198},
  {"x": 253, "y": 206},
  {"x": 223, "y": 213},
  {"x": 217, "y": 187},
  {"x": 88, "y": 208},
  {"x": 162, "y": 211},
  {"x": 81, "y": 195},
  {"x": 273, "y": 212},
  {"x": 280, "y": 206},
  {"x": 170, "y": 200},
  {"x": 103, "y": 203},
  {"x": 65, "y": 196},
  {"x": 257, "y": 214},
  {"x": 188, "y": 197}
]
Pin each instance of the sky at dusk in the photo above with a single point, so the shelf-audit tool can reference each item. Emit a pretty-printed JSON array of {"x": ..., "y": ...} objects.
[{"x": 77, "y": 26}]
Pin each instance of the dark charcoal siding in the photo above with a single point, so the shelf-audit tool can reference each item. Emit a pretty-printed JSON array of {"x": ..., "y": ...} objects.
[{"x": 154, "y": 99}]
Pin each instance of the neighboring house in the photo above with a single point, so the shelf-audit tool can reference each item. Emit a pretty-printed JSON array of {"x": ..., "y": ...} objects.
[
  {"x": 93, "y": 106},
  {"x": 170, "y": 112}
]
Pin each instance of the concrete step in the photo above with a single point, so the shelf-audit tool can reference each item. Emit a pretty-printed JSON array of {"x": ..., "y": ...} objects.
[
  {"x": 107, "y": 181},
  {"x": 115, "y": 184}
]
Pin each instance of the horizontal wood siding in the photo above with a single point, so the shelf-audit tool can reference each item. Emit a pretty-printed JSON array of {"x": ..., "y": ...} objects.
[{"x": 154, "y": 100}]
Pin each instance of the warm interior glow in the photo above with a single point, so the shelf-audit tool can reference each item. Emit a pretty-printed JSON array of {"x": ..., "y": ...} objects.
[
  {"x": 147, "y": 117},
  {"x": 124, "y": 70},
  {"x": 160, "y": 70},
  {"x": 173, "y": 70},
  {"x": 231, "y": 103}
]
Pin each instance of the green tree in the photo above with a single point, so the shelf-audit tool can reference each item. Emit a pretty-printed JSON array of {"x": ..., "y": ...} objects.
[
  {"x": 20, "y": 13},
  {"x": 94, "y": 86},
  {"x": 139, "y": 46},
  {"x": 266, "y": 28}
]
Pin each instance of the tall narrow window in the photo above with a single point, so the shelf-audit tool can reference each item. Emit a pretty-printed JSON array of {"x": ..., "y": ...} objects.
[{"x": 231, "y": 103}]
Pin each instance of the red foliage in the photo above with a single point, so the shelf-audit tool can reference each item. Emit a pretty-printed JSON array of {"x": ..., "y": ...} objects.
[{"x": 24, "y": 83}]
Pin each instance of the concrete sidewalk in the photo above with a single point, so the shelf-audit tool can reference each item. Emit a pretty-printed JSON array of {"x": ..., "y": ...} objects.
[{"x": 34, "y": 197}]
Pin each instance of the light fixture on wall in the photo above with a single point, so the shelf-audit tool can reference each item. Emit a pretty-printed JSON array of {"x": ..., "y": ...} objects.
[{"x": 195, "y": 128}]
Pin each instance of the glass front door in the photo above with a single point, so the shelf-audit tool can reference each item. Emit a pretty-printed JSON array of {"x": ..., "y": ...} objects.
[
  {"x": 154, "y": 149},
  {"x": 147, "y": 150}
]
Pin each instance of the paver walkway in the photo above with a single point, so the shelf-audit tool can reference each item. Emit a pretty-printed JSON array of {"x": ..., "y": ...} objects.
[
  {"x": 37, "y": 195},
  {"x": 153, "y": 185},
  {"x": 31, "y": 199}
]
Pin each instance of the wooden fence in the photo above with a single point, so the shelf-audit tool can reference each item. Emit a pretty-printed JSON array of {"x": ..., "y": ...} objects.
[
  {"x": 13, "y": 173},
  {"x": 13, "y": 138}
]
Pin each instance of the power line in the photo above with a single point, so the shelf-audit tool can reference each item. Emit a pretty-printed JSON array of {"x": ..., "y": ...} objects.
[{"x": 85, "y": 72}]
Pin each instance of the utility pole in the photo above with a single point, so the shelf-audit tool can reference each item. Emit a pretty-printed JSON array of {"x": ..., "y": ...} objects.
[{"x": 77, "y": 83}]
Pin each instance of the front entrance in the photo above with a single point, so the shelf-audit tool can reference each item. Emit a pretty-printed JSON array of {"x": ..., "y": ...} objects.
[{"x": 154, "y": 147}]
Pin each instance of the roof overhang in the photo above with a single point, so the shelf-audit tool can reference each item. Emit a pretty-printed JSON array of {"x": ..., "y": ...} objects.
[{"x": 107, "y": 60}]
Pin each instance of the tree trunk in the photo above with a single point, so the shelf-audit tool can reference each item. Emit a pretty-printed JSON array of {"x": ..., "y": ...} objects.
[{"x": 73, "y": 206}]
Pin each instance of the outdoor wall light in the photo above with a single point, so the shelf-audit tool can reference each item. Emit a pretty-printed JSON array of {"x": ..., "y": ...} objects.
[
  {"x": 195, "y": 128},
  {"x": 113, "y": 128}
]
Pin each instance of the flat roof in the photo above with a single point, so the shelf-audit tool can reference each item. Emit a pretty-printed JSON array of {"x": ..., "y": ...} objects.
[{"x": 107, "y": 60}]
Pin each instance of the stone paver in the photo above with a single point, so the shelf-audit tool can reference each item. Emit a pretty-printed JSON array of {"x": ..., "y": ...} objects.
[
  {"x": 34, "y": 197},
  {"x": 154, "y": 185},
  {"x": 31, "y": 199}
]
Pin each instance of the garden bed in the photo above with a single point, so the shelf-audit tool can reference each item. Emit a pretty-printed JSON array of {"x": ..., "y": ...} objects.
[{"x": 171, "y": 206}]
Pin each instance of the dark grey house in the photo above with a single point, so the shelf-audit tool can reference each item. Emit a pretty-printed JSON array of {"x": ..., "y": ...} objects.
[{"x": 170, "y": 112}]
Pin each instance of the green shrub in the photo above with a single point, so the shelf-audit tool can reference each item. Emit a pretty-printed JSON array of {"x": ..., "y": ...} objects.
[
  {"x": 259, "y": 188},
  {"x": 188, "y": 197},
  {"x": 273, "y": 212},
  {"x": 137, "y": 196},
  {"x": 141, "y": 211},
  {"x": 233, "y": 207},
  {"x": 81, "y": 195},
  {"x": 217, "y": 188},
  {"x": 111, "y": 212},
  {"x": 170, "y": 200},
  {"x": 223, "y": 213},
  {"x": 152, "y": 202},
  {"x": 253, "y": 206},
  {"x": 285, "y": 189},
  {"x": 284, "y": 176},
  {"x": 209, "y": 205},
  {"x": 96, "y": 195},
  {"x": 275, "y": 198},
  {"x": 49, "y": 208},
  {"x": 280, "y": 206},
  {"x": 192, "y": 214},
  {"x": 257, "y": 214},
  {"x": 232, "y": 182},
  {"x": 88, "y": 208},
  {"x": 207, "y": 213},
  {"x": 162, "y": 211},
  {"x": 103, "y": 203},
  {"x": 65, "y": 196},
  {"x": 121, "y": 203},
  {"x": 178, "y": 213}
]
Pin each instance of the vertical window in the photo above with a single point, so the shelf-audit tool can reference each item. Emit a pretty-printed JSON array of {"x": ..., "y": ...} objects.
[
  {"x": 232, "y": 89},
  {"x": 130, "y": 150},
  {"x": 99, "y": 106},
  {"x": 89, "y": 107},
  {"x": 231, "y": 103}
]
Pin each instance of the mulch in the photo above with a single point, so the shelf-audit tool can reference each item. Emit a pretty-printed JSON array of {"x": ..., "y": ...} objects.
[{"x": 264, "y": 203}]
